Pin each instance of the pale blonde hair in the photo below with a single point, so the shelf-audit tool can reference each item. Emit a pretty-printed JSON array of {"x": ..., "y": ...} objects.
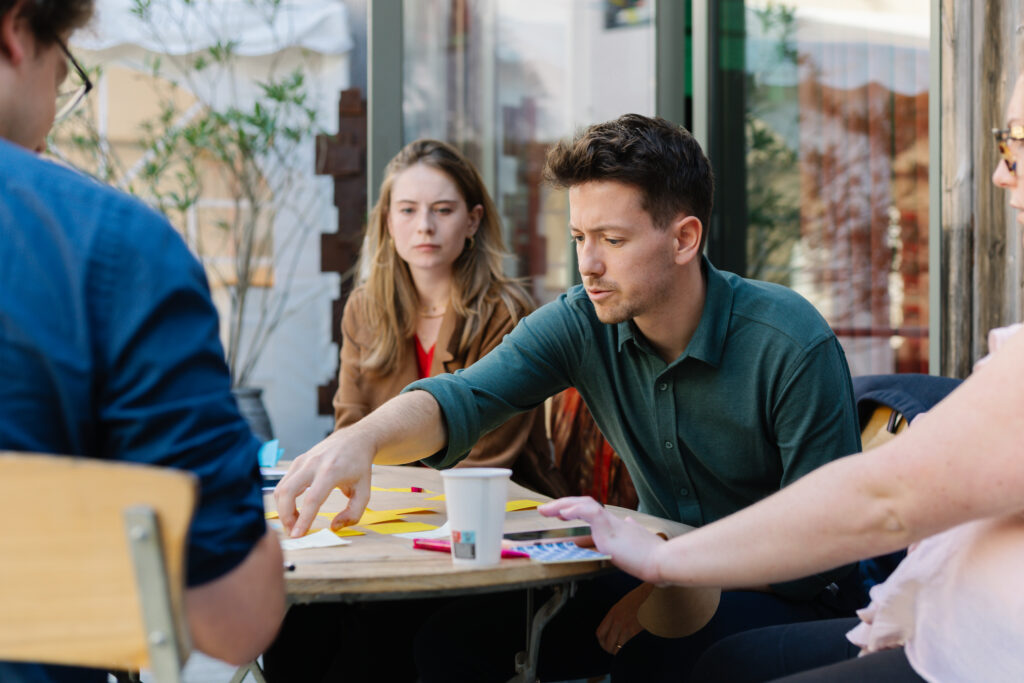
[{"x": 479, "y": 284}]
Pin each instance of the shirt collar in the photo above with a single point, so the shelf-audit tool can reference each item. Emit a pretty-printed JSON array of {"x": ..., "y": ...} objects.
[{"x": 708, "y": 340}]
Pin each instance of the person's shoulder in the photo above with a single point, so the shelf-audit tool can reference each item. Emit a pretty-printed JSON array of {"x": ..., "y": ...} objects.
[
  {"x": 571, "y": 312},
  {"x": 356, "y": 298},
  {"x": 22, "y": 171},
  {"x": 778, "y": 308},
  {"x": 353, "y": 316},
  {"x": 40, "y": 190}
]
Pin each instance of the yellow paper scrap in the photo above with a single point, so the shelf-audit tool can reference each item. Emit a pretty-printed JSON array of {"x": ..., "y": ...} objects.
[
  {"x": 400, "y": 527},
  {"x": 440, "y": 497},
  {"x": 523, "y": 504},
  {"x": 349, "y": 531},
  {"x": 409, "y": 511},
  {"x": 378, "y": 516},
  {"x": 271, "y": 515}
]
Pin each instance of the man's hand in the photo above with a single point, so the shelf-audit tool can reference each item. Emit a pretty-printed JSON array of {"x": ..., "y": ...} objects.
[
  {"x": 621, "y": 623},
  {"x": 631, "y": 546},
  {"x": 340, "y": 461},
  {"x": 406, "y": 428}
]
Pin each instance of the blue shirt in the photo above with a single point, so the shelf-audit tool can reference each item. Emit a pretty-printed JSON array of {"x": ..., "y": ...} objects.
[
  {"x": 109, "y": 348},
  {"x": 760, "y": 396}
]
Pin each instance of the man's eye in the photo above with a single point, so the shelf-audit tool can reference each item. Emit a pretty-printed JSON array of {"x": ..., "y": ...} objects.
[
  {"x": 578, "y": 239},
  {"x": 444, "y": 211},
  {"x": 612, "y": 241}
]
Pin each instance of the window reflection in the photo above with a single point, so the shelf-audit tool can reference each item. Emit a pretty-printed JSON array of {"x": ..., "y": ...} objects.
[
  {"x": 835, "y": 102},
  {"x": 818, "y": 137},
  {"x": 506, "y": 79}
]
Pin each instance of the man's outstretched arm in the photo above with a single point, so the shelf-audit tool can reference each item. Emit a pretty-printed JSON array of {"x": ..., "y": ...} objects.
[{"x": 405, "y": 429}]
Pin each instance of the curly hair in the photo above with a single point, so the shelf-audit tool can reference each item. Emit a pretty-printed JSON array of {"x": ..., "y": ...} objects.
[
  {"x": 662, "y": 160},
  {"x": 51, "y": 19},
  {"x": 479, "y": 284}
]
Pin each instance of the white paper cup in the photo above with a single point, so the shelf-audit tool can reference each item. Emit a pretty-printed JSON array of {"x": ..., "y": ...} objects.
[{"x": 475, "y": 498}]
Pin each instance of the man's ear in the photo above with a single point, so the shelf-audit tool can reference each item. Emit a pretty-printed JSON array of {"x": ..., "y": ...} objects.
[
  {"x": 687, "y": 231},
  {"x": 13, "y": 29}
]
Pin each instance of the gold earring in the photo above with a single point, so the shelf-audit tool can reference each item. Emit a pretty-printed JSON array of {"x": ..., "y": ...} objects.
[{"x": 472, "y": 243}]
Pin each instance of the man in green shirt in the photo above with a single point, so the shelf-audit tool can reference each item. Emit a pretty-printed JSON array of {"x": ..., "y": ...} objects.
[{"x": 716, "y": 391}]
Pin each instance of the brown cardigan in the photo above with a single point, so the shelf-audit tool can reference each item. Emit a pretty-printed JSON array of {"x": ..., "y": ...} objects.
[{"x": 360, "y": 392}]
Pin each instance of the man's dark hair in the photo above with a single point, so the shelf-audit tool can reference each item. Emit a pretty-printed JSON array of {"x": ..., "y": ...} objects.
[
  {"x": 50, "y": 19},
  {"x": 657, "y": 157}
]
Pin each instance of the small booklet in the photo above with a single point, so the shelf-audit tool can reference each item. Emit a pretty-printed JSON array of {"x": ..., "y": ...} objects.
[
  {"x": 580, "y": 535},
  {"x": 561, "y": 552}
]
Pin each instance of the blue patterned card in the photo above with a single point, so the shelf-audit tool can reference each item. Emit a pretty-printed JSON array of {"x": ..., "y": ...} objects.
[{"x": 561, "y": 552}]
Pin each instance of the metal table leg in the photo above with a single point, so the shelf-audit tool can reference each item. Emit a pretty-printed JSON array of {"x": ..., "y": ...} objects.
[{"x": 526, "y": 661}]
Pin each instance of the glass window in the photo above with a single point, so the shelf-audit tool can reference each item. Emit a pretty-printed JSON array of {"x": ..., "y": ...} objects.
[
  {"x": 819, "y": 137},
  {"x": 506, "y": 79}
]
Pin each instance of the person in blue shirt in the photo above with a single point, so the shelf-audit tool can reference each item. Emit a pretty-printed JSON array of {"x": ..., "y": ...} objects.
[
  {"x": 109, "y": 345},
  {"x": 715, "y": 390}
]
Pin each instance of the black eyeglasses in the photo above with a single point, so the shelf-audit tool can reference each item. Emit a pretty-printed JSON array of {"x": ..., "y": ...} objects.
[
  {"x": 1003, "y": 137},
  {"x": 74, "y": 88}
]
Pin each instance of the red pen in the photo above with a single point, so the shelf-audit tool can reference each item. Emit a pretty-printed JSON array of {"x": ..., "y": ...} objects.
[{"x": 445, "y": 546}]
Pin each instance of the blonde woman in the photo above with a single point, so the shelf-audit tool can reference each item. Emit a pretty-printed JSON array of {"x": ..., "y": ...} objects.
[{"x": 433, "y": 297}]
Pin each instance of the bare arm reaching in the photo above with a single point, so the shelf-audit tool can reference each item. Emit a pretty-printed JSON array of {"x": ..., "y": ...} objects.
[
  {"x": 405, "y": 429},
  {"x": 962, "y": 461},
  {"x": 236, "y": 616}
]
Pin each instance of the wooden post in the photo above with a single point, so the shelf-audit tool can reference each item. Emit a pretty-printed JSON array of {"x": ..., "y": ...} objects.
[
  {"x": 956, "y": 269},
  {"x": 343, "y": 156},
  {"x": 980, "y": 241}
]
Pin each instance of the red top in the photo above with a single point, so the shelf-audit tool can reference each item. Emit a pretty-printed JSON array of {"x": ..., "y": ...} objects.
[{"x": 424, "y": 359}]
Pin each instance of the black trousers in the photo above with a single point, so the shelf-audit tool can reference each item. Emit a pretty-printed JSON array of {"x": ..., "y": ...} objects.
[
  {"x": 800, "y": 653},
  {"x": 475, "y": 639},
  {"x": 365, "y": 641}
]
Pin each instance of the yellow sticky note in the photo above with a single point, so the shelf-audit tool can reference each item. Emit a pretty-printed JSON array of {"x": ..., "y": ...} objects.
[
  {"x": 441, "y": 497},
  {"x": 524, "y": 504},
  {"x": 400, "y": 527},
  {"x": 271, "y": 515},
  {"x": 378, "y": 516},
  {"x": 349, "y": 531},
  {"x": 409, "y": 511}
]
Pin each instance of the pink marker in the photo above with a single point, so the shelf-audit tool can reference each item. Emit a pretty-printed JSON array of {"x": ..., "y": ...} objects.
[{"x": 444, "y": 546}]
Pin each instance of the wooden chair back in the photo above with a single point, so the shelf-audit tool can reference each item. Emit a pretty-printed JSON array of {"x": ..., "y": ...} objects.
[
  {"x": 92, "y": 562},
  {"x": 883, "y": 426}
]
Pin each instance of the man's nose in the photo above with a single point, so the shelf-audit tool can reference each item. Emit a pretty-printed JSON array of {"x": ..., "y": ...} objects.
[{"x": 590, "y": 262}]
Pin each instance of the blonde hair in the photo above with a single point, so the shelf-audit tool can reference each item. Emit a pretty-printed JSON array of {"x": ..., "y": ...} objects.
[{"x": 479, "y": 283}]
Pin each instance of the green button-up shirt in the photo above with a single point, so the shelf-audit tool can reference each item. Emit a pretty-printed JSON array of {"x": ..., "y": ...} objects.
[{"x": 761, "y": 395}]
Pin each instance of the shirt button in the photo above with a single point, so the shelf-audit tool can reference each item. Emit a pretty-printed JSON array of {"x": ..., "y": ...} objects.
[
  {"x": 663, "y": 386},
  {"x": 684, "y": 492},
  {"x": 668, "y": 445}
]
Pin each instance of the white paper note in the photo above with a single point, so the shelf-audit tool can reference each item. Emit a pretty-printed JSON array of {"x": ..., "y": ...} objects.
[
  {"x": 440, "y": 532},
  {"x": 325, "y": 538}
]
